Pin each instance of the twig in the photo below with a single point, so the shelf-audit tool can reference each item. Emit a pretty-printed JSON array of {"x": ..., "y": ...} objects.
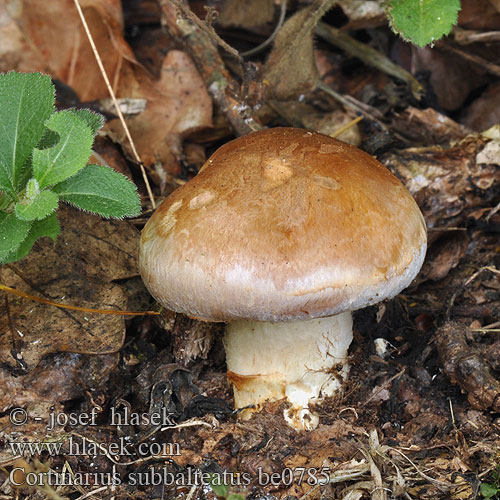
[
  {"x": 188, "y": 423},
  {"x": 385, "y": 385},
  {"x": 192, "y": 492},
  {"x": 310, "y": 492},
  {"x": 368, "y": 55},
  {"x": 465, "y": 37},
  {"x": 352, "y": 103},
  {"x": 206, "y": 28},
  {"x": 205, "y": 55},
  {"x": 441, "y": 485},
  {"x": 478, "y": 272},
  {"x": 271, "y": 37},
  {"x": 117, "y": 106},
  {"x": 494, "y": 210}
]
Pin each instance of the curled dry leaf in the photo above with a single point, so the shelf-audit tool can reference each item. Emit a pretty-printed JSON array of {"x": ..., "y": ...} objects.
[
  {"x": 78, "y": 270},
  {"x": 177, "y": 102},
  {"x": 292, "y": 54}
]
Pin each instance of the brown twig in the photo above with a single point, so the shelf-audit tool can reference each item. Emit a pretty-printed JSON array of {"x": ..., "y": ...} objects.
[
  {"x": 206, "y": 28},
  {"x": 203, "y": 50},
  {"x": 465, "y": 37}
]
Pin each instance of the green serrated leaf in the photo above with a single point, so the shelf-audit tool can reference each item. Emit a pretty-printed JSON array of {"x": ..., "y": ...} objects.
[
  {"x": 423, "y": 21},
  {"x": 101, "y": 190},
  {"x": 26, "y": 102},
  {"x": 221, "y": 490},
  {"x": 95, "y": 121},
  {"x": 69, "y": 155},
  {"x": 48, "y": 227},
  {"x": 42, "y": 205},
  {"x": 12, "y": 233}
]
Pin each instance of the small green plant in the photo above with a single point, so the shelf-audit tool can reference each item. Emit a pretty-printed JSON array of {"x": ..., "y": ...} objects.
[
  {"x": 221, "y": 489},
  {"x": 491, "y": 488},
  {"x": 43, "y": 160},
  {"x": 422, "y": 22}
]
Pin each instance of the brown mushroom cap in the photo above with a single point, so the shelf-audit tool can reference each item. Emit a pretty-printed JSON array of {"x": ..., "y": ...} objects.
[{"x": 280, "y": 225}]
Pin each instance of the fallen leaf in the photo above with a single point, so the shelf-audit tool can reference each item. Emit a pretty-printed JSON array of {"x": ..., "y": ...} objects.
[
  {"x": 177, "y": 102},
  {"x": 248, "y": 14},
  {"x": 78, "y": 270},
  {"x": 444, "y": 255},
  {"x": 292, "y": 54},
  {"x": 484, "y": 112}
]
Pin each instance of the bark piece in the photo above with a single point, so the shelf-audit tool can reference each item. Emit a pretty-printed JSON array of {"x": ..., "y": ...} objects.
[{"x": 467, "y": 368}]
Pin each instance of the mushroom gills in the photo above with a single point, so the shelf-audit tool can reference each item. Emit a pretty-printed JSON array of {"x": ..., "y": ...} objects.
[{"x": 301, "y": 361}]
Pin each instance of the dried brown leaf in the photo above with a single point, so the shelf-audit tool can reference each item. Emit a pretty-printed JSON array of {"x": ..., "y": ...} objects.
[
  {"x": 248, "y": 14},
  {"x": 77, "y": 270},
  {"x": 177, "y": 104},
  {"x": 292, "y": 54}
]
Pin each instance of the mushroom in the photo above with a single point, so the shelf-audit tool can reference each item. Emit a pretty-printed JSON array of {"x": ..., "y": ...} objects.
[{"x": 281, "y": 235}]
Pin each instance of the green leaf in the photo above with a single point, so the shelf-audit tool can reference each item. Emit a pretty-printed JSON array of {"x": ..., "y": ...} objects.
[
  {"x": 69, "y": 155},
  {"x": 26, "y": 101},
  {"x": 48, "y": 227},
  {"x": 423, "y": 21},
  {"x": 5, "y": 181},
  {"x": 235, "y": 496},
  {"x": 221, "y": 490},
  {"x": 101, "y": 190},
  {"x": 12, "y": 233},
  {"x": 95, "y": 121},
  {"x": 42, "y": 205},
  {"x": 489, "y": 490},
  {"x": 48, "y": 140}
]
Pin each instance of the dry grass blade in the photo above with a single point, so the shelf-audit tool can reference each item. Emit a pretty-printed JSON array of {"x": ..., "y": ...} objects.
[
  {"x": 18, "y": 293},
  {"x": 368, "y": 55},
  {"x": 117, "y": 106}
]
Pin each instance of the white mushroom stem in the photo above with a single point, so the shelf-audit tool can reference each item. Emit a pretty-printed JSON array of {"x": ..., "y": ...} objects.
[{"x": 302, "y": 361}]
